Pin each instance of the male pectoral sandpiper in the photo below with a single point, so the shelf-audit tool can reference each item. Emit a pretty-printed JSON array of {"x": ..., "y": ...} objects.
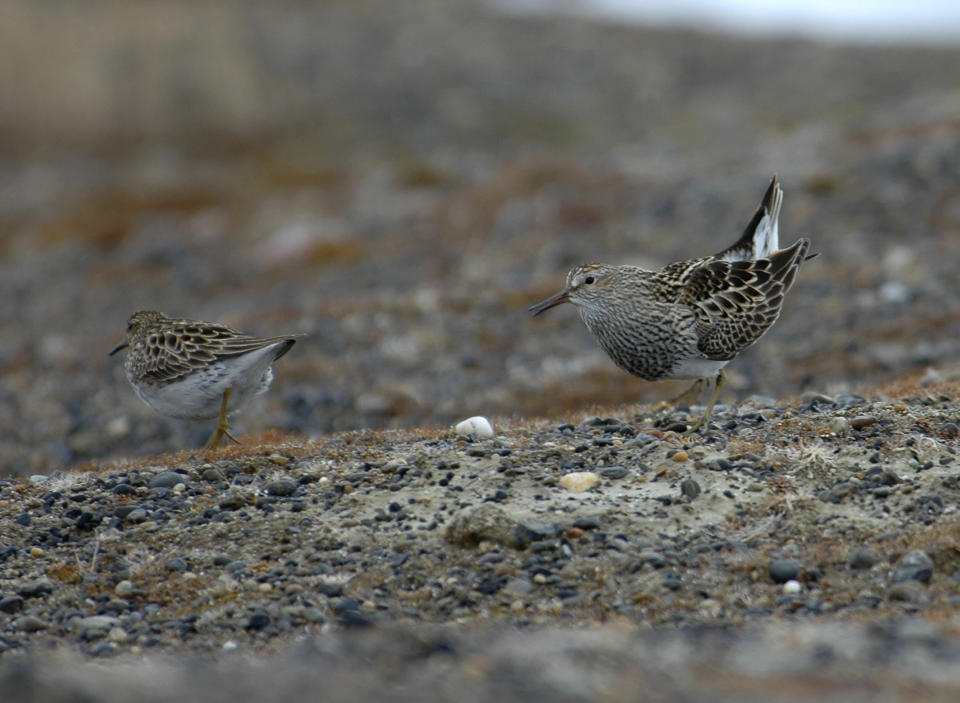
[
  {"x": 688, "y": 320},
  {"x": 194, "y": 370}
]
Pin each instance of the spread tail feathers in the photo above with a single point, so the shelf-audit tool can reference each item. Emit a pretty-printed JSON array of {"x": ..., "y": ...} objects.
[{"x": 761, "y": 237}]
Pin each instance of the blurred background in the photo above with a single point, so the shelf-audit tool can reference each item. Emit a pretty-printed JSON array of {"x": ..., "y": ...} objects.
[{"x": 400, "y": 180}]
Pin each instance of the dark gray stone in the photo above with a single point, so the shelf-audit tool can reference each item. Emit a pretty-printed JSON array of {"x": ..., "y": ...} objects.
[
  {"x": 783, "y": 570},
  {"x": 282, "y": 487},
  {"x": 168, "y": 479},
  {"x": 913, "y": 566},
  {"x": 861, "y": 558}
]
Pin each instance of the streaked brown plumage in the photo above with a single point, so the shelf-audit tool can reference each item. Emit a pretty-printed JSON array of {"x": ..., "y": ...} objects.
[
  {"x": 190, "y": 369},
  {"x": 689, "y": 319}
]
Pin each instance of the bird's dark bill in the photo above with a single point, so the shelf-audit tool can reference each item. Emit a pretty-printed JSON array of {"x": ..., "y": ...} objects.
[
  {"x": 122, "y": 345},
  {"x": 544, "y": 305}
]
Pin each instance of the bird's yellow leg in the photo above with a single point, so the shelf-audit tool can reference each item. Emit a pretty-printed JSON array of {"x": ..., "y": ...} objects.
[
  {"x": 702, "y": 422},
  {"x": 223, "y": 427},
  {"x": 689, "y": 394}
]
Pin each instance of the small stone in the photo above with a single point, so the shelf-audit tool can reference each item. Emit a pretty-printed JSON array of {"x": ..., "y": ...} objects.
[
  {"x": 167, "y": 479},
  {"x": 862, "y": 421},
  {"x": 279, "y": 459},
  {"x": 672, "y": 581},
  {"x": 211, "y": 474},
  {"x": 232, "y": 502},
  {"x": 485, "y": 522},
  {"x": 615, "y": 472},
  {"x": 589, "y": 522},
  {"x": 39, "y": 587},
  {"x": 906, "y": 592},
  {"x": 477, "y": 426},
  {"x": 94, "y": 625},
  {"x": 282, "y": 487},
  {"x": 861, "y": 558},
  {"x": 792, "y": 587},
  {"x": 783, "y": 570},
  {"x": 839, "y": 492},
  {"x": 680, "y": 456},
  {"x": 136, "y": 515},
  {"x": 950, "y": 430},
  {"x": 11, "y": 604},
  {"x": 177, "y": 564},
  {"x": 29, "y": 623},
  {"x": 258, "y": 621},
  {"x": 124, "y": 589},
  {"x": 579, "y": 481},
  {"x": 690, "y": 488},
  {"x": 915, "y": 566}
]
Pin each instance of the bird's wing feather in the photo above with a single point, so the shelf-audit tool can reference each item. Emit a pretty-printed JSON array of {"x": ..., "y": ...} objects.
[{"x": 737, "y": 301}]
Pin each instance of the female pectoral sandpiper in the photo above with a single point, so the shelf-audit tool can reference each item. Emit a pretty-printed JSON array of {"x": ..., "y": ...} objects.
[
  {"x": 192, "y": 370},
  {"x": 691, "y": 318}
]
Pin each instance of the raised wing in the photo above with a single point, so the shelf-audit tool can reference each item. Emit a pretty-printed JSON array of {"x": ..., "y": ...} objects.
[{"x": 737, "y": 301}]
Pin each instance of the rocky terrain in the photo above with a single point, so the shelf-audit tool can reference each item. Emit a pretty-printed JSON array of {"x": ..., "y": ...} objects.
[
  {"x": 836, "y": 512},
  {"x": 399, "y": 181}
]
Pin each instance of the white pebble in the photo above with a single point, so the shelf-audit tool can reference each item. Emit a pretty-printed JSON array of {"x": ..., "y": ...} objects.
[
  {"x": 477, "y": 426},
  {"x": 579, "y": 481},
  {"x": 792, "y": 587}
]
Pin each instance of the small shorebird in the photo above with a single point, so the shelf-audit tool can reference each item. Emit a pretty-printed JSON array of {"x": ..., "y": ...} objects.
[
  {"x": 191, "y": 370},
  {"x": 689, "y": 319}
]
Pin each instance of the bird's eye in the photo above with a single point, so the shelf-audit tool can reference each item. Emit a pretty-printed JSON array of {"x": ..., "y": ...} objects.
[{"x": 588, "y": 280}]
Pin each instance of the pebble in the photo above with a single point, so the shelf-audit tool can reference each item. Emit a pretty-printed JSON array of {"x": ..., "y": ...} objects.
[
  {"x": 485, "y": 522},
  {"x": 167, "y": 479},
  {"x": 11, "y": 604},
  {"x": 861, "y": 558},
  {"x": 282, "y": 487},
  {"x": 951, "y": 430},
  {"x": 124, "y": 589},
  {"x": 862, "y": 421},
  {"x": 783, "y": 570},
  {"x": 29, "y": 623},
  {"x": 906, "y": 592},
  {"x": 258, "y": 621},
  {"x": 590, "y": 522},
  {"x": 177, "y": 564},
  {"x": 579, "y": 481},
  {"x": 690, "y": 488},
  {"x": 477, "y": 426},
  {"x": 94, "y": 624},
  {"x": 680, "y": 456},
  {"x": 792, "y": 587},
  {"x": 814, "y": 398},
  {"x": 232, "y": 502},
  {"x": 915, "y": 566},
  {"x": 35, "y": 588},
  {"x": 615, "y": 472},
  {"x": 136, "y": 515}
]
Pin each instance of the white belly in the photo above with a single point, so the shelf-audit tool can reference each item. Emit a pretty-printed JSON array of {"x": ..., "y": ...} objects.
[
  {"x": 199, "y": 395},
  {"x": 692, "y": 369}
]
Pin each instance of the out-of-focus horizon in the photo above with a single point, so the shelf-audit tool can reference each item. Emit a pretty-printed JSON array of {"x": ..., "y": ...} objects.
[{"x": 924, "y": 22}]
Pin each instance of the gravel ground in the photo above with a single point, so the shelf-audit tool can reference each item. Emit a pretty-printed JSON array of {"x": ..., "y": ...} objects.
[
  {"x": 399, "y": 181},
  {"x": 600, "y": 539}
]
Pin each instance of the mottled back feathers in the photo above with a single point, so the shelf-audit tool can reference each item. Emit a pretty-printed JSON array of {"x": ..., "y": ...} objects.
[{"x": 165, "y": 349}]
